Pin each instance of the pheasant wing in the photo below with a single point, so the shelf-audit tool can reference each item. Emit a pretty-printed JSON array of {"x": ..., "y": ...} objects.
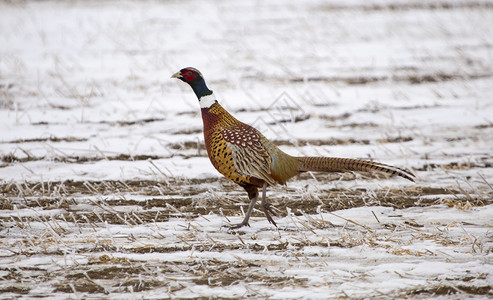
[{"x": 250, "y": 157}]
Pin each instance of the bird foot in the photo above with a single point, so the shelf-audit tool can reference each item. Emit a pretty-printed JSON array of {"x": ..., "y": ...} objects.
[
  {"x": 236, "y": 226},
  {"x": 267, "y": 208}
]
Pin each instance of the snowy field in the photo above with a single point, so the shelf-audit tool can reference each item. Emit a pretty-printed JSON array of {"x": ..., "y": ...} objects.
[{"x": 106, "y": 189}]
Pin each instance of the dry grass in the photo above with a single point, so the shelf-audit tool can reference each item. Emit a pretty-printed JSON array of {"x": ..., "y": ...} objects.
[{"x": 101, "y": 100}]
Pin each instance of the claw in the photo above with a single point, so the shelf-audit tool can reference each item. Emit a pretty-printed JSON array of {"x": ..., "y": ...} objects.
[
  {"x": 269, "y": 218},
  {"x": 266, "y": 207},
  {"x": 236, "y": 226}
]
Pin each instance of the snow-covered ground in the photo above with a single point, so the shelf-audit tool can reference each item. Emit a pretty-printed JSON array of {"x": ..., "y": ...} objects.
[{"x": 107, "y": 190}]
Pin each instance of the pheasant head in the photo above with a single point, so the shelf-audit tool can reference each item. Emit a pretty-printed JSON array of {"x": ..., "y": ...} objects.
[{"x": 196, "y": 81}]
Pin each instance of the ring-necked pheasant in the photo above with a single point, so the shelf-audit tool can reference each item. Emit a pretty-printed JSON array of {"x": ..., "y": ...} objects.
[{"x": 242, "y": 154}]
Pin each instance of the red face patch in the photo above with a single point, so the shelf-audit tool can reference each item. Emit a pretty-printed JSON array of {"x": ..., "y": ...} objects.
[{"x": 189, "y": 75}]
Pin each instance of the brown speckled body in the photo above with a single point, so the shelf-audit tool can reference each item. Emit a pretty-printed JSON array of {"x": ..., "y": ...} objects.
[{"x": 241, "y": 153}]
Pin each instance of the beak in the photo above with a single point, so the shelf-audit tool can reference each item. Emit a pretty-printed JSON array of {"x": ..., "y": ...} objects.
[{"x": 177, "y": 75}]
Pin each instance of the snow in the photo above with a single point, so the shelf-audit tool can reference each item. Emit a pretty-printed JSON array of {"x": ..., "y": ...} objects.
[{"x": 103, "y": 166}]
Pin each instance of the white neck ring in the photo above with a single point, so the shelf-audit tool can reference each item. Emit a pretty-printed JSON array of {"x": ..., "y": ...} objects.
[{"x": 207, "y": 101}]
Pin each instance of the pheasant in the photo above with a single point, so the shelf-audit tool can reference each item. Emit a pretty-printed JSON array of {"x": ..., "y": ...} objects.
[{"x": 242, "y": 154}]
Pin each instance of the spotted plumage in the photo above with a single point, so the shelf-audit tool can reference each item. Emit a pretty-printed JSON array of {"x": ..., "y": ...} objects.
[
  {"x": 242, "y": 154},
  {"x": 218, "y": 123}
]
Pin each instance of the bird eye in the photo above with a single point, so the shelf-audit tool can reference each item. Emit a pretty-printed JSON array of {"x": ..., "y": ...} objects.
[{"x": 189, "y": 75}]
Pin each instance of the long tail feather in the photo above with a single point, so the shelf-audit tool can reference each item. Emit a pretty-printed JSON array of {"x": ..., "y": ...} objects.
[{"x": 335, "y": 164}]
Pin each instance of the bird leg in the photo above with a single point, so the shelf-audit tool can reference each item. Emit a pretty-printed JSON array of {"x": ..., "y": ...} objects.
[
  {"x": 266, "y": 206},
  {"x": 253, "y": 195}
]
